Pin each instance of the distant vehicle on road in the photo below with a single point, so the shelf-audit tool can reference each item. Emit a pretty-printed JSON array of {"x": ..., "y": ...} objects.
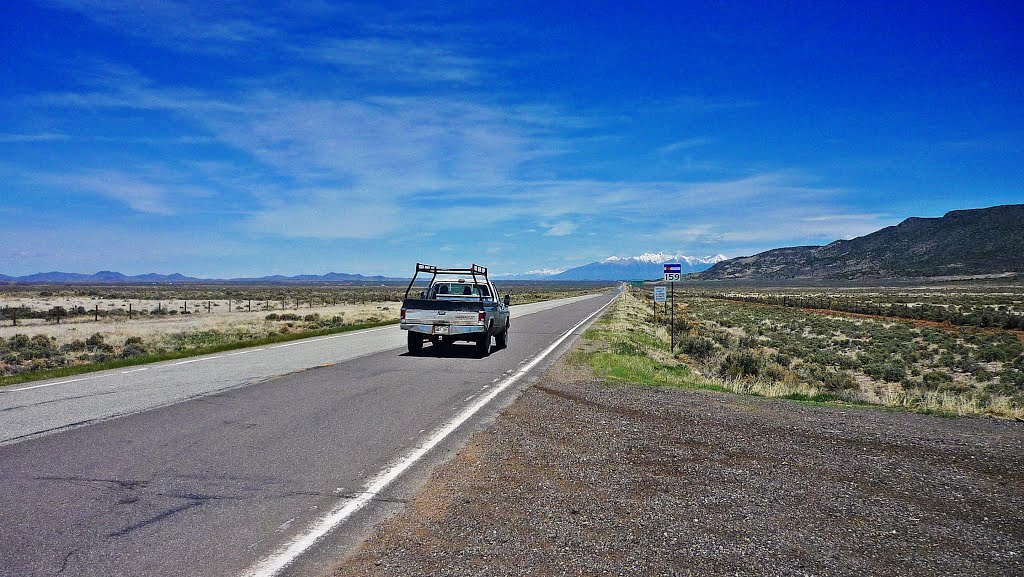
[{"x": 459, "y": 304}]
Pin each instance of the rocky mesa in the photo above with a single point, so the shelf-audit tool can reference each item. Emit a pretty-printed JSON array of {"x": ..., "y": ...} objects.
[{"x": 962, "y": 243}]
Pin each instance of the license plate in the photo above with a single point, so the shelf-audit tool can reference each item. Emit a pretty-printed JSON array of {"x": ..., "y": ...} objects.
[{"x": 440, "y": 330}]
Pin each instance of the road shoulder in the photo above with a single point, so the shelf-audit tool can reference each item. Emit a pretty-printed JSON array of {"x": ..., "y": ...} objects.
[{"x": 579, "y": 477}]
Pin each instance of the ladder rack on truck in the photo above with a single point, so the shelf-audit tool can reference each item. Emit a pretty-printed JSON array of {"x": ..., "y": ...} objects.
[{"x": 474, "y": 270}]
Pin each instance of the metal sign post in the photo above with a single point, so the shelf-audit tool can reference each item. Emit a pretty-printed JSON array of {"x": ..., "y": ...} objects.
[{"x": 673, "y": 272}]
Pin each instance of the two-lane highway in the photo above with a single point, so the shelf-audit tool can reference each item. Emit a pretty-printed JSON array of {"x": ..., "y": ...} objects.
[
  {"x": 218, "y": 467},
  {"x": 47, "y": 406}
]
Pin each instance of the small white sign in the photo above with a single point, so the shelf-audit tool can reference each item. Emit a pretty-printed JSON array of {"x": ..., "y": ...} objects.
[{"x": 660, "y": 294}]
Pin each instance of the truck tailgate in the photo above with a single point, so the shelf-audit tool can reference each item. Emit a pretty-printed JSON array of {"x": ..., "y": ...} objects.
[
  {"x": 441, "y": 312},
  {"x": 440, "y": 317}
]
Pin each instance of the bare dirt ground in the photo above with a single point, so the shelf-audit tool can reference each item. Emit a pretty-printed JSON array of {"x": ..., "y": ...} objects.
[{"x": 581, "y": 478}]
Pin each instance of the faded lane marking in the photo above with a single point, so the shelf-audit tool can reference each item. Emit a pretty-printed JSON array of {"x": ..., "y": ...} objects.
[{"x": 51, "y": 384}]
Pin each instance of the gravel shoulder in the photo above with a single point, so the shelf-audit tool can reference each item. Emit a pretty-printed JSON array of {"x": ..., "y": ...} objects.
[{"x": 579, "y": 477}]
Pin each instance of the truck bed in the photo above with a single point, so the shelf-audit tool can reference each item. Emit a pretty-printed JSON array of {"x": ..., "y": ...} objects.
[{"x": 473, "y": 305}]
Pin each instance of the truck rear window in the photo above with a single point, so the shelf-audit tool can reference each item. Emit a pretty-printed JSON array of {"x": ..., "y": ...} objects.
[{"x": 459, "y": 289}]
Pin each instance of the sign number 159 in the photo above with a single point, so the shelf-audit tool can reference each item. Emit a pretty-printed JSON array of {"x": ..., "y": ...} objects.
[{"x": 673, "y": 272}]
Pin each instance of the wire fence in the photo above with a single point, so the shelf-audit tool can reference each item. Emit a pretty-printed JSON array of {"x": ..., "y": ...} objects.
[{"x": 142, "y": 308}]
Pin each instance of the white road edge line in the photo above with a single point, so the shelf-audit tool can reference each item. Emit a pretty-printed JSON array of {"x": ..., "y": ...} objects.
[
  {"x": 52, "y": 384},
  {"x": 317, "y": 339},
  {"x": 287, "y": 554}
]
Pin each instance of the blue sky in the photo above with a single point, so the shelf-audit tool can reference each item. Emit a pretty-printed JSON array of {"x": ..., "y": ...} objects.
[{"x": 218, "y": 139}]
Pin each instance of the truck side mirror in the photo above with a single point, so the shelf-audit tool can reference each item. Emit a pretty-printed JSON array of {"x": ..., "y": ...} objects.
[
  {"x": 508, "y": 299},
  {"x": 423, "y": 294}
]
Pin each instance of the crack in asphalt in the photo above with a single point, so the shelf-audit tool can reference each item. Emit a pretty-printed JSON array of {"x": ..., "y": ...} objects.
[
  {"x": 64, "y": 562},
  {"x": 138, "y": 487},
  {"x": 197, "y": 500},
  {"x": 376, "y": 499},
  {"x": 10, "y": 440},
  {"x": 155, "y": 519},
  {"x": 128, "y": 484},
  {"x": 40, "y": 403},
  {"x": 193, "y": 500}
]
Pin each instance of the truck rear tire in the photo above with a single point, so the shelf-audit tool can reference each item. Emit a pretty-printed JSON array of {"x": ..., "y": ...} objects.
[
  {"x": 415, "y": 343},
  {"x": 483, "y": 345},
  {"x": 501, "y": 339}
]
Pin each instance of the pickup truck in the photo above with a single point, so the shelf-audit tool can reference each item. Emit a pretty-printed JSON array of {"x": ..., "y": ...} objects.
[{"x": 459, "y": 304}]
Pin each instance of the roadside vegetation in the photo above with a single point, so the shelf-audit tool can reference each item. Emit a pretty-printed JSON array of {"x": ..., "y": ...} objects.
[
  {"x": 174, "y": 322},
  {"x": 987, "y": 309},
  {"x": 782, "y": 351}
]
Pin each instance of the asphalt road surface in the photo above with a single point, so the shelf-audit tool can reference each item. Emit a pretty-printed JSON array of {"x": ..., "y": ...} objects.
[{"x": 246, "y": 463}]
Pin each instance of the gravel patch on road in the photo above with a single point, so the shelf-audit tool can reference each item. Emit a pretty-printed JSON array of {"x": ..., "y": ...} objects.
[{"x": 578, "y": 477}]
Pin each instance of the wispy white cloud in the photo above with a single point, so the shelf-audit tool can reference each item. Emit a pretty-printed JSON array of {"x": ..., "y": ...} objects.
[
  {"x": 852, "y": 217},
  {"x": 396, "y": 60},
  {"x": 142, "y": 191},
  {"x": 1006, "y": 141},
  {"x": 37, "y": 137},
  {"x": 185, "y": 26},
  {"x": 698, "y": 104},
  {"x": 328, "y": 214},
  {"x": 376, "y": 166},
  {"x": 122, "y": 247},
  {"x": 560, "y": 228},
  {"x": 685, "y": 144},
  {"x": 767, "y": 222}
]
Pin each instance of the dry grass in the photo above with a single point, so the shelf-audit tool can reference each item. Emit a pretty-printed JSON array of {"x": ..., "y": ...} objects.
[
  {"x": 626, "y": 344},
  {"x": 152, "y": 327}
]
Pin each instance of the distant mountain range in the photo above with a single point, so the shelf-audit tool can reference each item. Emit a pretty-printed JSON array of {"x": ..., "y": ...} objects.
[
  {"x": 646, "y": 266},
  {"x": 963, "y": 243},
  {"x": 111, "y": 277}
]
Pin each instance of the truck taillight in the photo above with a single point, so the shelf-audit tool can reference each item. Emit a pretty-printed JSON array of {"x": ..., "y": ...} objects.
[
  {"x": 403, "y": 314},
  {"x": 480, "y": 317}
]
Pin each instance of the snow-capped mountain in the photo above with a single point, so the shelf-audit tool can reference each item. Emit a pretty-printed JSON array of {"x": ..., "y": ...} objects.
[
  {"x": 644, "y": 266},
  {"x": 538, "y": 274},
  {"x": 664, "y": 257}
]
